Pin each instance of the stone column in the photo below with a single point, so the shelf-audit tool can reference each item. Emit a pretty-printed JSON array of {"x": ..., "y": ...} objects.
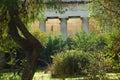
[
  {"x": 43, "y": 26},
  {"x": 85, "y": 24},
  {"x": 63, "y": 27}
]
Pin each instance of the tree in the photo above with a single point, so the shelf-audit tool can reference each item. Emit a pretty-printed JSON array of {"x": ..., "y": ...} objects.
[
  {"x": 106, "y": 13},
  {"x": 14, "y": 16}
]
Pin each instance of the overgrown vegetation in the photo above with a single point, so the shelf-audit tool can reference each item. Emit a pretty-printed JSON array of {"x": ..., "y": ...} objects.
[
  {"x": 86, "y": 54},
  {"x": 76, "y": 63},
  {"x": 91, "y": 54}
]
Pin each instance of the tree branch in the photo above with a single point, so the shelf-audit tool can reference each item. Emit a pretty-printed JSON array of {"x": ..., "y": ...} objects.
[
  {"x": 24, "y": 43},
  {"x": 26, "y": 33}
]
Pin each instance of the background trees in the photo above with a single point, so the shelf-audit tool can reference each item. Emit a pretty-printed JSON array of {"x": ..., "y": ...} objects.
[
  {"x": 106, "y": 12},
  {"x": 107, "y": 16}
]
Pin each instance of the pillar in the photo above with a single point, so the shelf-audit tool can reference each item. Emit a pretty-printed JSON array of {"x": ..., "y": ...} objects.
[
  {"x": 43, "y": 26},
  {"x": 63, "y": 27},
  {"x": 85, "y": 24}
]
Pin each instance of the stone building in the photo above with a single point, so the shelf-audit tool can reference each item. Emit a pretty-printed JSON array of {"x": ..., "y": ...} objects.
[{"x": 74, "y": 19}]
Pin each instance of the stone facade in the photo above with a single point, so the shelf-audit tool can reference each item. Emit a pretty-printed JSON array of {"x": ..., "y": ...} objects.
[{"x": 74, "y": 9}]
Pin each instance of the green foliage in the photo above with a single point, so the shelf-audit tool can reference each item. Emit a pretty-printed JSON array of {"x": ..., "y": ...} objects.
[
  {"x": 99, "y": 65},
  {"x": 106, "y": 13},
  {"x": 41, "y": 36},
  {"x": 90, "y": 41},
  {"x": 70, "y": 43},
  {"x": 27, "y": 11},
  {"x": 113, "y": 49},
  {"x": 69, "y": 63},
  {"x": 54, "y": 45},
  {"x": 5, "y": 40},
  {"x": 6, "y": 43},
  {"x": 76, "y": 63},
  {"x": 82, "y": 41},
  {"x": 91, "y": 54},
  {"x": 9, "y": 76},
  {"x": 15, "y": 15}
]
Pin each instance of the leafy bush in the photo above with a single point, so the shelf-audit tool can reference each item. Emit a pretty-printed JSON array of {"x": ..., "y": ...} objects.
[
  {"x": 70, "y": 43},
  {"x": 41, "y": 36},
  {"x": 69, "y": 63},
  {"x": 9, "y": 76},
  {"x": 75, "y": 63},
  {"x": 86, "y": 42},
  {"x": 99, "y": 66},
  {"x": 55, "y": 45},
  {"x": 90, "y": 41},
  {"x": 82, "y": 41},
  {"x": 113, "y": 49},
  {"x": 6, "y": 43}
]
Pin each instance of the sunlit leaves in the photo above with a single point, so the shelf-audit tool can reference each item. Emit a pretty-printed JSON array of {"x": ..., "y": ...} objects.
[
  {"x": 27, "y": 10},
  {"x": 106, "y": 12}
]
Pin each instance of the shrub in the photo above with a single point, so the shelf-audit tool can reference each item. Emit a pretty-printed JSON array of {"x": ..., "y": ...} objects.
[
  {"x": 83, "y": 41},
  {"x": 90, "y": 41},
  {"x": 99, "y": 66},
  {"x": 69, "y": 63},
  {"x": 9, "y": 76},
  {"x": 56, "y": 45},
  {"x": 113, "y": 49},
  {"x": 41, "y": 36},
  {"x": 75, "y": 63},
  {"x": 70, "y": 44}
]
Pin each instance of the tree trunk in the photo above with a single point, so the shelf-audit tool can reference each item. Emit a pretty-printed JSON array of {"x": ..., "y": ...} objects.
[
  {"x": 30, "y": 69},
  {"x": 29, "y": 44}
]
